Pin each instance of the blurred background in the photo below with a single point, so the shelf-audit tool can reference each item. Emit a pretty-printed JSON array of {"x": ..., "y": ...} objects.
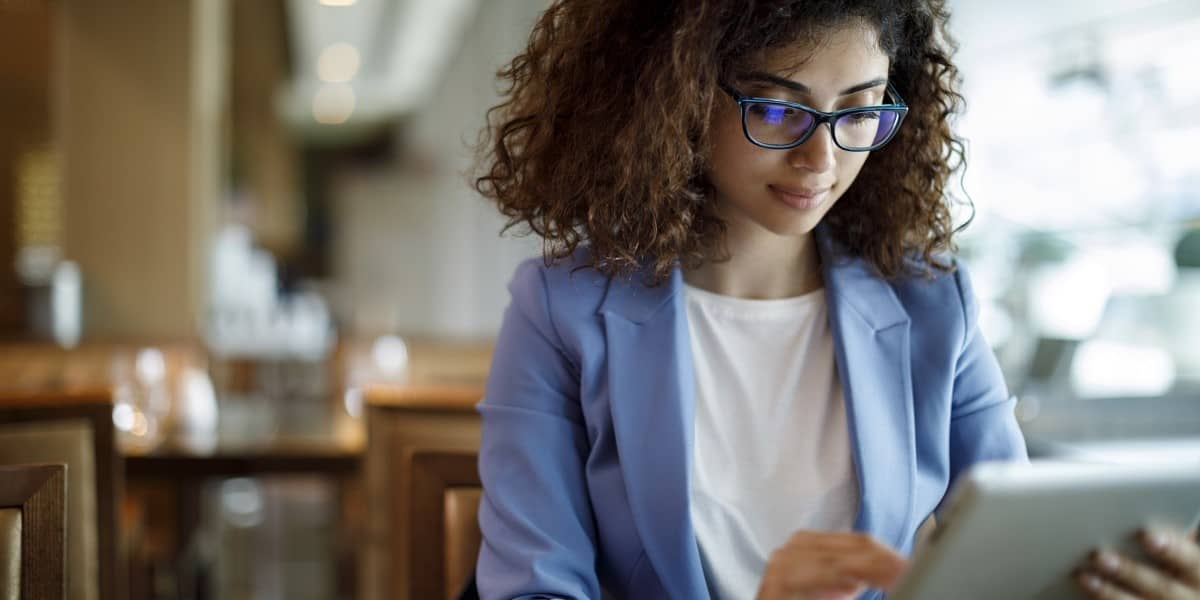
[{"x": 244, "y": 228}]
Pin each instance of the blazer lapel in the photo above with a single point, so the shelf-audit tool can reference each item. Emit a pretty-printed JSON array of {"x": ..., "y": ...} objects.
[
  {"x": 871, "y": 338},
  {"x": 652, "y": 396}
]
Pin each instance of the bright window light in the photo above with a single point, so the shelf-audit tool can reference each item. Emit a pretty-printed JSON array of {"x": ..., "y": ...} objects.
[
  {"x": 1067, "y": 301},
  {"x": 1107, "y": 369}
]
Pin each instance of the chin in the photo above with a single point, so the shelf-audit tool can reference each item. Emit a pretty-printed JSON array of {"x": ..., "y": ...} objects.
[
  {"x": 793, "y": 227},
  {"x": 793, "y": 223}
]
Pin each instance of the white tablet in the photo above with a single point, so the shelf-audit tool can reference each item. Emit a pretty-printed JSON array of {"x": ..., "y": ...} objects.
[{"x": 1016, "y": 531}]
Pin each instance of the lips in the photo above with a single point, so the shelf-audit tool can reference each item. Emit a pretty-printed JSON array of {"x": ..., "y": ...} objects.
[{"x": 800, "y": 198}]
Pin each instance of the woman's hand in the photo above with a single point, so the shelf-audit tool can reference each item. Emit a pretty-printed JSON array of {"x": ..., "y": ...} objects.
[
  {"x": 1174, "y": 573},
  {"x": 829, "y": 565}
]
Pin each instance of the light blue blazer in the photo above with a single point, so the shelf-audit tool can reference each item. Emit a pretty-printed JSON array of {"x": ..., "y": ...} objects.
[{"x": 587, "y": 423}]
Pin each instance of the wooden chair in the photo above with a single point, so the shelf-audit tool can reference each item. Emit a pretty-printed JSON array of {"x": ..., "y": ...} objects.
[
  {"x": 443, "y": 511},
  {"x": 33, "y": 529},
  {"x": 74, "y": 428},
  {"x": 423, "y": 490}
]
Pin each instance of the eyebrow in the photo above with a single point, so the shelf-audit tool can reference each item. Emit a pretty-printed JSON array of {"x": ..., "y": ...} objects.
[{"x": 804, "y": 89}]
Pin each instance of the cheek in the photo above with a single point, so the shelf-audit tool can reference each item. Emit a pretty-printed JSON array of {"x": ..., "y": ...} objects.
[
  {"x": 734, "y": 161},
  {"x": 848, "y": 166}
]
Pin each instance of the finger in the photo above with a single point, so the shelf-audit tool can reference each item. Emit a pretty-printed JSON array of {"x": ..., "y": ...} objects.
[
  {"x": 850, "y": 555},
  {"x": 798, "y": 584},
  {"x": 1180, "y": 554},
  {"x": 813, "y": 560},
  {"x": 791, "y": 571},
  {"x": 1136, "y": 576},
  {"x": 864, "y": 545},
  {"x": 877, "y": 569},
  {"x": 1100, "y": 588}
]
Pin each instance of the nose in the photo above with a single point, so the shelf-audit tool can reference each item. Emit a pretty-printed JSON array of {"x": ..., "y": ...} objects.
[{"x": 816, "y": 154}]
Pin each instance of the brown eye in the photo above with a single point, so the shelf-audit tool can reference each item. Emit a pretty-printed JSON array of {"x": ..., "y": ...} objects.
[{"x": 772, "y": 123}]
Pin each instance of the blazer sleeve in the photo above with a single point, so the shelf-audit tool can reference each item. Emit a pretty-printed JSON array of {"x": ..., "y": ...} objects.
[
  {"x": 983, "y": 425},
  {"x": 535, "y": 515}
]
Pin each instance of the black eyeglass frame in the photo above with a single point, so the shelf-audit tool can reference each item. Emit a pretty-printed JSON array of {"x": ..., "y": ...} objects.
[{"x": 821, "y": 117}]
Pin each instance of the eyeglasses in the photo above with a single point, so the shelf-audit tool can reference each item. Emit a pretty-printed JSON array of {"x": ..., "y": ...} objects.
[{"x": 779, "y": 124}]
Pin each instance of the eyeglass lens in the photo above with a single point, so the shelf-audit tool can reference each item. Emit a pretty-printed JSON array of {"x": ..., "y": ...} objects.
[{"x": 780, "y": 125}]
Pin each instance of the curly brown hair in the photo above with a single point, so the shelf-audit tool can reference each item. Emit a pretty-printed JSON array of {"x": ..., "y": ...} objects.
[{"x": 602, "y": 136}]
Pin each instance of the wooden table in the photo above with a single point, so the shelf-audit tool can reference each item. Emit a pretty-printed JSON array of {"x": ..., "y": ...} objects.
[
  {"x": 445, "y": 378},
  {"x": 284, "y": 455},
  {"x": 164, "y": 498}
]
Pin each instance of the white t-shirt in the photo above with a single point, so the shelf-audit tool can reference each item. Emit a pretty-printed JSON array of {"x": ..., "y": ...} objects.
[{"x": 772, "y": 445}]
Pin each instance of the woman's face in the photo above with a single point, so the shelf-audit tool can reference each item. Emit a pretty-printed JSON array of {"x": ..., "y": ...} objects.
[{"x": 787, "y": 192}]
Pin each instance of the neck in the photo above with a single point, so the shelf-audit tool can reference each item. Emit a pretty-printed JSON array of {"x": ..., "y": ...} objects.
[{"x": 762, "y": 266}]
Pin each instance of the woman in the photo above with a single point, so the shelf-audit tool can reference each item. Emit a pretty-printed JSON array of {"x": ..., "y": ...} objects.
[{"x": 747, "y": 366}]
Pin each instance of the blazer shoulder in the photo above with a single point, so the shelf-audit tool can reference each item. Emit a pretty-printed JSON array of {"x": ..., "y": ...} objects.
[
  {"x": 946, "y": 297},
  {"x": 569, "y": 288}
]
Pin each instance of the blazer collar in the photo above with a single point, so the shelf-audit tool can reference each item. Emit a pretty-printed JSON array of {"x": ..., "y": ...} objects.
[
  {"x": 651, "y": 385},
  {"x": 849, "y": 281},
  {"x": 871, "y": 333},
  {"x": 630, "y": 298}
]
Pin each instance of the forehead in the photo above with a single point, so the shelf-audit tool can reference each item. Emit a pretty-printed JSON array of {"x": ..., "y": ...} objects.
[{"x": 830, "y": 59}]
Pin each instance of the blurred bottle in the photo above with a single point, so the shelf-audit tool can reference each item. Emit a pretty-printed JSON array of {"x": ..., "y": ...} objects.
[
  {"x": 66, "y": 304},
  {"x": 196, "y": 420},
  {"x": 142, "y": 399}
]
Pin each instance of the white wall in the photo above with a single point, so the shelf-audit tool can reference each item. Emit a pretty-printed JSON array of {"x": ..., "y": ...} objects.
[{"x": 418, "y": 251}]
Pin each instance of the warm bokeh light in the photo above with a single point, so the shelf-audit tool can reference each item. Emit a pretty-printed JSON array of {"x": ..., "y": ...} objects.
[
  {"x": 333, "y": 104},
  {"x": 338, "y": 63},
  {"x": 151, "y": 366},
  {"x": 390, "y": 354}
]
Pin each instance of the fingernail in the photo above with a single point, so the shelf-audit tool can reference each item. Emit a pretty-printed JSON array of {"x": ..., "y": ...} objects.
[
  {"x": 1108, "y": 561},
  {"x": 1091, "y": 582},
  {"x": 1157, "y": 540}
]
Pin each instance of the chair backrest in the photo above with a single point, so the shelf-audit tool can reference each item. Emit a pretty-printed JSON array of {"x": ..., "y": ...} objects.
[
  {"x": 74, "y": 428},
  {"x": 423, "y": 491},
  {"x": 445, "y": 530},
  {"x": 33, "y": 530},
  {"x": 419, "y": 469}
]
